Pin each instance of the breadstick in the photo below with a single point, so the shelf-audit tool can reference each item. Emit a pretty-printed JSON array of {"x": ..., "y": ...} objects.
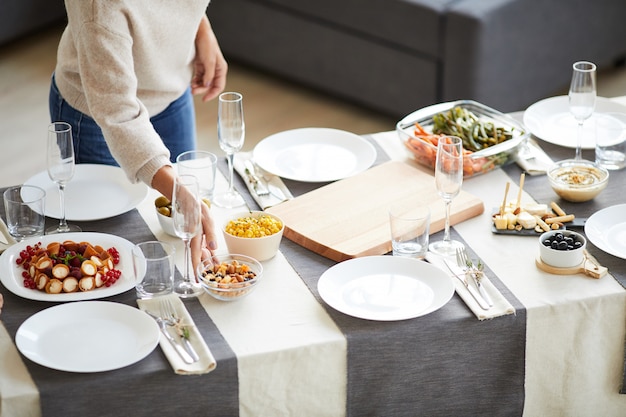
[
  {"x": 506, "y": 192},
  {"x": 521, "y": 187},
  {"x": 542, "y": 224},
  {"x": 560, "y": 219},
  {"x": 558, "y": 210}
]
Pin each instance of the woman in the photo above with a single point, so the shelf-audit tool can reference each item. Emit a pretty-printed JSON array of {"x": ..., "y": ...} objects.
[{"x": 126, "y": 71}]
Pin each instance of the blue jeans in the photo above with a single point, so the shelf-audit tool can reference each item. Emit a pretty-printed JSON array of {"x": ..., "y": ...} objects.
[{"x": 176, "y": 125}]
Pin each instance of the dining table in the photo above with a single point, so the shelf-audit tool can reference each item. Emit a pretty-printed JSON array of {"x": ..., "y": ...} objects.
[{"x": 284, "y": 351}]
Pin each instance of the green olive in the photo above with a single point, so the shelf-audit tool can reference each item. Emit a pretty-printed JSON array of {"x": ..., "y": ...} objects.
[
  {"x": 165, "y": 211},
  {"x": 162, "y": 201}
]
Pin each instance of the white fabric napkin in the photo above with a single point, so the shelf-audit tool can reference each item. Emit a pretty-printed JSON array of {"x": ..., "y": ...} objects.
[
  {"x": 532, "y": 159},
  {"x": 206, "y": 363},
  {"x": 501, "y": 306},
  {"x": 278, "y": 191}
]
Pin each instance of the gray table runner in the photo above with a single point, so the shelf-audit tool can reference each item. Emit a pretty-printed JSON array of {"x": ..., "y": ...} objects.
[
  {"x": 443, "y": 364},
  {"x": 148, "y": 388}
]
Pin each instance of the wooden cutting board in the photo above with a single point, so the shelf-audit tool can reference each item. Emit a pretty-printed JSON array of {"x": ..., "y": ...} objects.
[{"x": 350, "y": 218}]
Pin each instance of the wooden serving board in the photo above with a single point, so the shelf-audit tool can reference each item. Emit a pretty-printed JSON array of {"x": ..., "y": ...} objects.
[
  {"x": 589, "y": 266},
  {"x": 350, "y": 218}
]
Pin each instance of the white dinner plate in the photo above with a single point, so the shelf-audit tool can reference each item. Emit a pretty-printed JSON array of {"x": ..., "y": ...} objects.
[
  {"x": 314, "y": 154},
  {"x": 11, "y": 273},
  {"x": 385, "y": 288},
  {"x": 551, "y": 121},
  {"x": 88, "y": 336},
  {"x": 607, "y": 230},
  {"x": 95, "y": 192}
]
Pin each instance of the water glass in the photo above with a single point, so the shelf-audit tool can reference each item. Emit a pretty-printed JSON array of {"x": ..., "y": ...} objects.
[
  {"x": 611, "y": 140},
  {"x": 202, "y": 165},
  {"x": 24, "y": 207},
  {"x": 153, "y": 263},
  {"x": 410, "y": 228}
]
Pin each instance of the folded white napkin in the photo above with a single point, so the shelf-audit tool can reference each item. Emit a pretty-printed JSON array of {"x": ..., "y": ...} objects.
[
  {"x": 6, "y": 239},
  {"x": 206, "y": 363},
  {"x": 501, "y": 306},
  {"x": 532, "y": 159},
  {"x": 278, "y": 191}
]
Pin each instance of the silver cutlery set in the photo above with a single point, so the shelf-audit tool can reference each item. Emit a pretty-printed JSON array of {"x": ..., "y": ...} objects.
[
  {"x": 167, "y": 318},
  {"x": 465, "y": 268}
]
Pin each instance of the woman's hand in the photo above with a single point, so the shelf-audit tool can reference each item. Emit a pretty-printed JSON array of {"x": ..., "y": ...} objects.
[
  {"x": 209, "y": 66},
  {"x": 204, "y": 243}
]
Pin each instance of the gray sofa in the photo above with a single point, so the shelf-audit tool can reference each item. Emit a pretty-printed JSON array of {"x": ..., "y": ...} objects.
[
  {"x": 396, "y": 56},
  {"x": 22, "y": 17}
]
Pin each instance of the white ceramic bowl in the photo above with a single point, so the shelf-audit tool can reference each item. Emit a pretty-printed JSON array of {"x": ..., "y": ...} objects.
[
  {"x": 167, "y": 224},
  {"x": 561, "y": 258},
  {"x": 260, "y": 248},
  {"x": 577, "y": 181},
  {"x": 235, "y": 289}
]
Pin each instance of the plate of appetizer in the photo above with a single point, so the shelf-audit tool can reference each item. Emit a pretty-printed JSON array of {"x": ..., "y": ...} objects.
[
  {"x": 490, "y": 138},
  {"x": 530, "y": 219},
  {"x": 68, "y": 267}
]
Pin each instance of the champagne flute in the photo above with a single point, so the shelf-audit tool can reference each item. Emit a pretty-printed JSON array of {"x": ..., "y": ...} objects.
[
  {"x": 582, "y": 97},
  {"x": 186, "y": 214},
  {"x": 60, "y": 163},
  {"x": 448, "y": 178},
  {"x": 231, "y": 131}
]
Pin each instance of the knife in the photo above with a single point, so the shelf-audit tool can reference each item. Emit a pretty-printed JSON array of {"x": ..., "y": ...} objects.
[
  {"x": 177, "y": 346},
  {"x": 461, "y": 276},
  {"x": 259, "y": 186},
  {"x": 481, "y": 289}
]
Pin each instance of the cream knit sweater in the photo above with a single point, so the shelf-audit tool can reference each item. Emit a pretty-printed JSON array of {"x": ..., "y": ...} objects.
[{"x": 123, "y": 61}]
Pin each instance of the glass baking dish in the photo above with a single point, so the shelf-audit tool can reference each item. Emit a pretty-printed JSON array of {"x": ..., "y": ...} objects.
[{"x": 474, "y": 163}]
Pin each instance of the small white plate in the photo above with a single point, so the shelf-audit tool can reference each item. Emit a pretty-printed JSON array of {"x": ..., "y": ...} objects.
[
  {"x": 11, "y": 273},
  {"x": 551, "y": 121},
  {"x": 95, "y": 192},
  {"x": 607, "y": 230},
  {"x": 385, "y": 288},
  {"x": 89, "y": 336},
  {"x": 314, "y": 154}
]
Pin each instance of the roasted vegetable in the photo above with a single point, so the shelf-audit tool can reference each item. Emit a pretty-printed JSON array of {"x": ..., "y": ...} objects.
[{"x": 474, "y": 133}]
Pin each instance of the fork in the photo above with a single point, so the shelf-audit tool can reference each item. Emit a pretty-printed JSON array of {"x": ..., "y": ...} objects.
[
  {"x": 259, "y": 187},
  {"x": 171, "y": 319},
  {"x": 476, "y": 272}
]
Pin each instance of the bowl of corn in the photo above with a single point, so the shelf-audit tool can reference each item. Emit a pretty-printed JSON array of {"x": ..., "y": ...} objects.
[
  {"x": 230, "y": 276},
  {"x": 255, "y": 234}
]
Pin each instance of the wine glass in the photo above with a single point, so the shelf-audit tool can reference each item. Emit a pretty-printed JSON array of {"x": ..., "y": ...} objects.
[
  {"x": 448, "y": 178},
  {"x": 60, "y": 163},
  {"x": 582, "y": 97},
  {"x": 231, "y": 131},
  {"x": 186, "y": 214}
]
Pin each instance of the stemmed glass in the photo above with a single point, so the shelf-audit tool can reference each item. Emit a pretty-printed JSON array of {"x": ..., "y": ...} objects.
[
  {"x": 231, "y": 131},
  {"x": 186, "y": 214},
  {"x": 582, "y": 97},
  {"x": 60, "y": 163},
  {"x": 448, "y": 178}
]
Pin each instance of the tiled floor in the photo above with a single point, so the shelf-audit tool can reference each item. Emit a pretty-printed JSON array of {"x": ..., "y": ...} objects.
[{"x": 270, "y": 106}]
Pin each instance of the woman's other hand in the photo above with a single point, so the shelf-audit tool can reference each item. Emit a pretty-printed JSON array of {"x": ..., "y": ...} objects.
[{"x": 209, "y": 67}]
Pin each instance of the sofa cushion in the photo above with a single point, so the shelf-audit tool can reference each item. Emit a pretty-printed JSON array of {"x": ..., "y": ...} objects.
[{"x": 415, "y": 24}]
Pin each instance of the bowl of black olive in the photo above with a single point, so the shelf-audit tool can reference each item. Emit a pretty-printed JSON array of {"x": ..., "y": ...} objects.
[{"x": 562, "y": 248}]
